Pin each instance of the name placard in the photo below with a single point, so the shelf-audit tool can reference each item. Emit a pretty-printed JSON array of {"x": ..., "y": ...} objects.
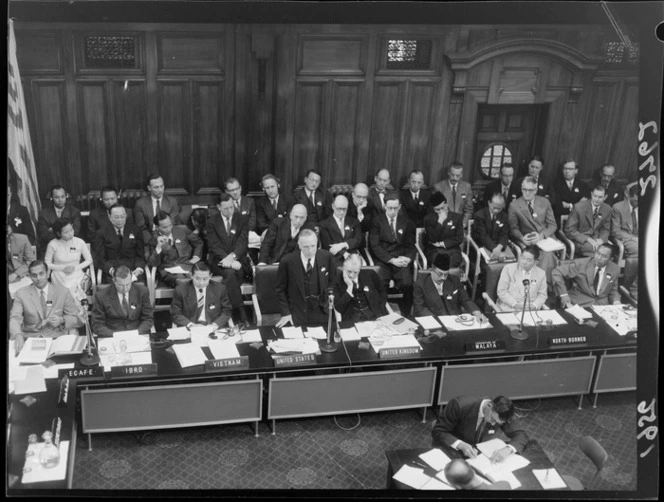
[
  {"x": 134, "y": 370},
  {"x": 90, "y": 372},
  {"x": 397, "y": 352},
  {"x": 293, "y": 360},
  {"x": 485, "y": 347},
  {"x": 557, "y": 341},
  {"x": 231, "y": 363}
]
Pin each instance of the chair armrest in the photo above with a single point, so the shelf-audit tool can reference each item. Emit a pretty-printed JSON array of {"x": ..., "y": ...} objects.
[
  {"x": 625, "y": 293},
  {"x": 466, "y": 269},
  {"x": 151, "y": 281},
  {"x": 389, "y": 308},
  {"x": 257, "y": 310},
  {"x": 367, "y": 251},
  {"x": 570, "y": 245},
  {"x": 489, "y": 302},
  {"x": 420, "y": 257},
  {"x": 621, "y": 251}
]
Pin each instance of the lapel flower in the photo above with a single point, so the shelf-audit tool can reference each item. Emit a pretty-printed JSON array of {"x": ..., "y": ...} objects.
[
  {"x": 400, "y": 231},
  {"x": 17, "y": 221},
  {"x": 211, "y": 306},
  {"x": 232, "y": 230},
  {"x": 541, "y": 187},
  {"x": 576, "y": 189},
  {"x": 534, "y": 215},
  {"x": 178, "y": 241},
  {"x": 131, "y": 236},
  {"x": 346, "y": 227},
  {"x": 421, "y": 203},
  {"x": 133, "y": 306},
  {"x": 322, "y": 269},
  {"x": 608, "y": 276},
  {"x": 319, "y": 203},
  {"x": 450, "y": 223},
  {"x": 244, "y": 212},
  {"x": 463, "y": 195},
  {"x": 499, "y": 223},
  {"x": 366, "y": 289}
]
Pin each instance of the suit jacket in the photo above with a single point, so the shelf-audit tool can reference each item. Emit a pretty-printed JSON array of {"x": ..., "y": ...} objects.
[
  {"x": 218, "y": 307},
  {"x": 374, "y": 198},
  {"x": 488, "y": 232},
  {"x": 331, "y": 234},
  {"x": 278, "y": 242},
  {"x": 614, "y": 192},
  {"x": 221, "y": 244},
  {"x": 621, "y": 222},
  {"x": 368, "y": 282},
  {"x": 581, "y": 273},
  {"x": 382, "y": 243},
  {"x": 98, "y": 218},
  {"x": 427, "y": 301},
  {"x": 522, "y": 222},
  {"x": 450, "y": 232},
  {"x": 560, "y": 193},
  {"x": 144, "y": 213},
  {"x": 109, "y": 252},
  {"x": 415, "y": 211},
  {"x": 543, "y": 189},
  {"x": 580, "y": 226},
  {"x": 459, "y": 421},
  {"x": 247, "y": 211},
  {"x": 321, "y": 210},
  {"x": 265, "y": 212},
  {"x": 513, "y": 192},
  {"x": 290, "y": 287},
  {"x": 511, "y": 289},
  {"x": 20, "y": 255},
  {"x": 464, "y": 198},
  {"x": 186, "y": 244},
  {"x": 47, "y": 217},
  {"x": 369, "y": 214},
  {"x": 108, "y": 317},
  {"x": 19, "y": 219},
  {"x": 26, "y": 314}
]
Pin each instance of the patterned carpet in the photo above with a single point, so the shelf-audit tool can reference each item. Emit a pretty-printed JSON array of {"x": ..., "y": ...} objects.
[{"x": 318, "y": 454}]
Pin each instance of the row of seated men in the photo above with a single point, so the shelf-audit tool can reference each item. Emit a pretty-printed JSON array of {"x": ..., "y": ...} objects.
[{"x": 388, "y": 216}]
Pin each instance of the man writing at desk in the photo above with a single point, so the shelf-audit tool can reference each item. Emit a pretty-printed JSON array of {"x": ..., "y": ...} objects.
[{"x": 467, "y": 420}]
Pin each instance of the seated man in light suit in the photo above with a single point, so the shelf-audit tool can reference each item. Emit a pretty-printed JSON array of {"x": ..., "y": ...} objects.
[
  {"x": 462, "y": 476},
  {"x": 441, "y": 293},
  {"x": 20, "y": 256},
  {"x": 125, "y": 305},
  {"x": 589, "y": 222},
  {"x": 359, "y": 294},
  {"x": 42, "y": 308},
  {"x": 466, "y": 421},
  {"x": 341, "y": 234},
  {"x": 511, "y": 285},
  {"x": 457, "y": 192},
  {"x": 531, "y": 219},
  {"x": 148, "y": 206},
  {"x": 625, "y": 228},
  {"x": 594, "y": 280},
  {"x": 281, "y": 236},
  {"x": 302, "y": 281},
  {"x": 201, "y": 302}
]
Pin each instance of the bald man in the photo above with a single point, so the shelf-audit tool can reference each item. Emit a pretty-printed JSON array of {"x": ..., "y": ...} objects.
[
  {"x": 281, "y": 236},
  {"x": 380, "y": 189}
]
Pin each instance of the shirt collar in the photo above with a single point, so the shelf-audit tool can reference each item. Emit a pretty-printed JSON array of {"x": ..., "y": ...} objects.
[
  {"x": 45, "y": 290},
  {"x": 481, "y": 413},
  {"x": 304, "y": 260}
]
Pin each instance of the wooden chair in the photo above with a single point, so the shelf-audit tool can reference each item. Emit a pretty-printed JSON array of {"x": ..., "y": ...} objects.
[
  {"x": 560, "y": 233},
  {"x": 157, "y": 292},
  {"x": 479, "y": 258},
  {"x": 597, "y": 455},
  {"x": 628, "y": 297},
  {"x": 264, "y": 298}
]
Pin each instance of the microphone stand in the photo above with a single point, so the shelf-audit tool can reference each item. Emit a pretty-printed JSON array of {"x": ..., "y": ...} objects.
[
  {"x": 521, "y": 334},
  {"x": 329, "y": 345},
  {"x": 89, "y": 358}
]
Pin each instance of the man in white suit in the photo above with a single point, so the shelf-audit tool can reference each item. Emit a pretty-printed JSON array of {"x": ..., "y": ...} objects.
[{"x": 512, "y": 285}]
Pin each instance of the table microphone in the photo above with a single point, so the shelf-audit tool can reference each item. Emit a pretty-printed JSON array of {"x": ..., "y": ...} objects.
[
  {"x": 329, "y": 345},
  {"x": 520, "y": 334}
]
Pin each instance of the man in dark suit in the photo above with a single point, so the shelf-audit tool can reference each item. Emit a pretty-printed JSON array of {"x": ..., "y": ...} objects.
[
  {"x": 361, "y": 208},
  {"x": 380, "y": 189},
  {"x": 123, "y": 306},
  {"x": 99, "y": 216},
  {"x": 58, "y": 209},
  {"x": 272, "y": 205},
  {"x": 18, "y": 217},
  {"x": 227, "y": 234},
  {"x": 244, "y": 206},
  {"x": 19, "y": 255},
  {"x": 505, "y": 185},
  {"x": 441, "y": 293},
  {"x": 594, "y": 280},
  {"x": 172, "y": 245},
  {"x": 614, "y": 192},
  {"x": 462, "y": 476},
  {"x": 341, "y": 234},
  {"x": 359, "y": 294},
  {"x": 119, "y": 243},
  {"x": 317, "y": 201},
  {"x": 415, "y": 199},
  {"x": 201, "y": 302},
  {"x": 302, "y": 282},
  {"x": 147, "y": 206},
  {"x": 392, "y": 243},
  {"x": 443, "y": 230},
  {"x": 466, "y": 421},
  {"x": 535, "y": 167},
  {"x": 567, "y": 190},
  {"x": 281, "y": 238},
  {"x": 589, "y": 223}
]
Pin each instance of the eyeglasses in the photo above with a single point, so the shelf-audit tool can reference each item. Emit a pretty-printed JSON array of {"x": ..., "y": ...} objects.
[{"x": 529, "y": 190}]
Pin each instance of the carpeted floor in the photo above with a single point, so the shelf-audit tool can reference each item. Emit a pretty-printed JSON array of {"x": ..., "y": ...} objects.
[{"x": 318, "y": 454}]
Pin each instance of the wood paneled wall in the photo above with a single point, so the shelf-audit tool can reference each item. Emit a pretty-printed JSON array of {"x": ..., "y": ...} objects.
[{"x": 204, "y": 102}]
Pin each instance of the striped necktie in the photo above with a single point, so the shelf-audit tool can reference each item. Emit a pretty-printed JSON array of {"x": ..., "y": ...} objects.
[
  {"x": 200, "y": 304},
  {"x": 595, "y": 213},
  {"x": 125, "y": 306},
  {"x": 530, "y": 208},
  {"x": 309, "y": 267}
]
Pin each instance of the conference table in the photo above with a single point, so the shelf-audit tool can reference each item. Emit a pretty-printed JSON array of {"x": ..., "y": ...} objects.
[{"x": 352, "y": 379}]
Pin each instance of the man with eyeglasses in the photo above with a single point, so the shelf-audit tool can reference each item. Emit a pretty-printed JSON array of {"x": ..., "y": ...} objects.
[
  {"x": 243, "y": 206},
  {"x": 512, "y": 286},
  {"x": 156, "y": 200},
  {"x": 504, "y": 185},
  {"x": 341, "y": 234},
  {"x": 201, "y": 302},
  {"x": 606, "y": 177},
  {"x": 567, "y": 190},
  {"x": 281, "y": 238},
  {"x": 535, "y": 168},
  {"x": 273, "y": 205}
]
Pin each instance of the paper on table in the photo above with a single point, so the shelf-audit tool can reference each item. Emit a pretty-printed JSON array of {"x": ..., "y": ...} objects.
[
  {"x": 292, "y": 332},
  {"x": 223, "y": 349},
  {"x": 349, "y": 334},
  {"x": 436, "y": 484},
  {"x": 490, "y": 446},
  {"x": 411, "y": 476},
  {"x": 304, "y": 345},
  {"x": 200, "y": 335},
  {"x": 109, "y": 360},
  {"x": 532, "y": 318},
  {"x": 251, "y": 335},
  {"x": 579, "y": 312},
  {"x": 316, "y": 332},
  {"x": 35, "y": 350},
  {"x": 508, "y": 318},
  {"x": 32, "y": 383},
  {"x": 395, "y": 342},
  {"x": 176, "y": 270},
  {"x": 34, "y": 472},
  {"x": 189, "y": 354},
  {"x": 502, "y": 474},
  {"x": 402, "y": 327},
  {"x": 365, "y": 329},
  {"x": 436, "y": 458},
  {"x": 549, "y": 479},
  {"x": 621, "y": 321},
  {"x": 452, "y": 324},
  {"x": 428, "y": 322},
  {"x": 511, "y": 463},
  {"x": 550, "y": 244},
  {"x": 52, "y": 371},
  {"x": 181, "y": 333},
  {"x": 135, "y": 342}
]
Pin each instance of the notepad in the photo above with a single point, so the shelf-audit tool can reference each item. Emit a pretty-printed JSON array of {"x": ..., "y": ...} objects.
[
  {"x": 579, "y": 313},
  {"x": 32, "y": 383},
  {"x": 484, "y": 466},
  {"x": 349, "y": 334},
  {"x": 292, "y": 332},
  {"x": 250, "y": 336},
  {"x": 109, "y": 361},
  {"x": 365, "y": 329},
  {"x": 397, "y": 323},
  {"x": 176, "y": 270},
  {"x": 35, "y": 350},
  {"x": 491, "y": 446},
  {"x": 200, "y": 335},
  {"x": 415, "y": 478},
  {"x": 549, "y": 479},
  {"x": 395, "y": 342},
  {"x": 189, "y": 354},
  {"x": 428, "y": 322},
  {"x": 316, "y": 332},
  {"x": 181, "y": 333},
  {"x": 436, "y": 459},
  {"x": 550, "y": 244},
  {"x": 223, "y": 349}
]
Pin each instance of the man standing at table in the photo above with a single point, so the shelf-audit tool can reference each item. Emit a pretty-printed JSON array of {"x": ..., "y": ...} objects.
[
  {"x": 42, "y": 308},
  {"x": 201, "y": 302},
  {"x": 302, "y": 282},
  {"x": 359, "y": 295},
  {"x": 467, "y": 420},
  {"x": 123, "y": 306},
  {"x": 148, "y": 206}
]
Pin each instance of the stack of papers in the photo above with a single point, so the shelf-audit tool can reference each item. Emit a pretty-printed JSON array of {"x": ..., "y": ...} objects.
[
  {"x": 176, "y": 270},
  {"x": 395, "y": 342},
  {"x": 549, "y": 479},
  {"x": 134, "y": 341},
  {"x": 436, "y": 458},
  {"x": 349, "y": 334},
  {"x": 454, "y": 323},
  {"x": 428, "y": 322},
  {"x": 317, "y": 332},
  {"x": 498, "y": 471},
  {"x": 579, "y": 313},
  {"x": 200, "y": 335},
  {"x": 110, "y": 360},
  {"x": 223, "y": 349},
  {"x": 531, "y": 318},
  {"x": 366, "y": 329},
  {"x": 32, "y": 383},
  {"x": 250, "y": 336},
  {"x": 402, "y": 324},
  {"x": 415, "y": 478},
  {"x": 292, "y": 332},
  {"x": 299, "y": 346},
  {"x": 189, "y": 354},
  {"x": 620, "y": 320},
  {"x": 34, "y": 351},
  {"x": 181, "y": 333},
  {"x": 550, "y": 244}
]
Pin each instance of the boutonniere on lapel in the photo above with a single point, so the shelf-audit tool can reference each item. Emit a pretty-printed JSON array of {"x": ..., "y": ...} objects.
[
  {"x": 346, "y": 227},
  {"x": 463, "y": 195},
  {"x": 178, "y": 241},
  {"x": 319, "y": 203},
  {"x": 450, "y": 223},
  {"x": 534, "y": 215},
  {"x": 322, "y": 269},
  {"x": 400, "y": 231},
  {"x": 17, "y": 221},
  {"x": 499, "y": 223},
  {"x": 421, "y": 203},
  {"x": 576, "y": 189},
  {"x": 131, "y": 236},
  {"x": 132, "y": 306},
  {"x": 211, "y": 306},
  {"x": 232, "y": 230},
  {"x": 541, "y": 187},
  {"x": 608, "y": 276},
  {"x": 366, "y": 289},
  {"x": 244, "y": 212}
]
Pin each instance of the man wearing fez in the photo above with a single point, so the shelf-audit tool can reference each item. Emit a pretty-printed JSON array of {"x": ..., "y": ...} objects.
[
  {"x": 149, "y": 205},
  {"x": 244, "y": 206},
  {"x": 458, "y": 193},
  {"x": 100, "y": 215},
  {"x": 589, "y": 223},
  {"x": 201, "y": 302},
  {"x": 504, "y": 185},
  {"x": 173, "y": 245},
  {"x": 315, "y": 199},
  {"x": 467, "y": 420},
  {"x": 359, "y": 294},
  {"x": 441, "y": 293},
  {"x": 123, "y": 306},
  {"x": 341, "y": 234},
  {"x": 50, "y": 213},
  {"x": 415, "y": 199},
  {"x": 511, "y": 287},
  {"x": 18, "y": 217},
  {"x": 281, "y": 238},
  {"x": 302, "y": 281},
  {"x": 119, "y": 243},
  {"x": 273, "y": 205}
]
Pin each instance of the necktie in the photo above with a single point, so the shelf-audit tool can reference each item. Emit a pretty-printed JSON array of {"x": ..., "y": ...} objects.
[
  {"x": 42, "y": 299},
  {"x": 58, "y": 213},
  {"x": 120, "y": 235},
  {"x": 237, "y": 205},
  {"x": 480, "y": 431},
  {"x": 309, "y": 267},
  {"x": 200, "y": 304},
  {"x": 506, "y": 190},
  {"x": 596, "y": 281},
  {"x": 635, "y": 222},
  {"x": 312, "y": 197},
  {"x": 157, "y": 207},
  {"x": 341, "y": 227},
  {"x": 356, "y": 289},
  {"x": 360, "y": 215},
  {"x": 274, "y": 205},
  {"x": 453, "y": 195},
  {"x": 125, "y": 306},
  {"x": 228, "y": 225},
  {"x": 416, "y": 198},
  {"x": 595, "y": 213},
  {"x": 381, "y": 196},
  {"x": 530, "y": 208},
  {"x": 393, "y": 227}
]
